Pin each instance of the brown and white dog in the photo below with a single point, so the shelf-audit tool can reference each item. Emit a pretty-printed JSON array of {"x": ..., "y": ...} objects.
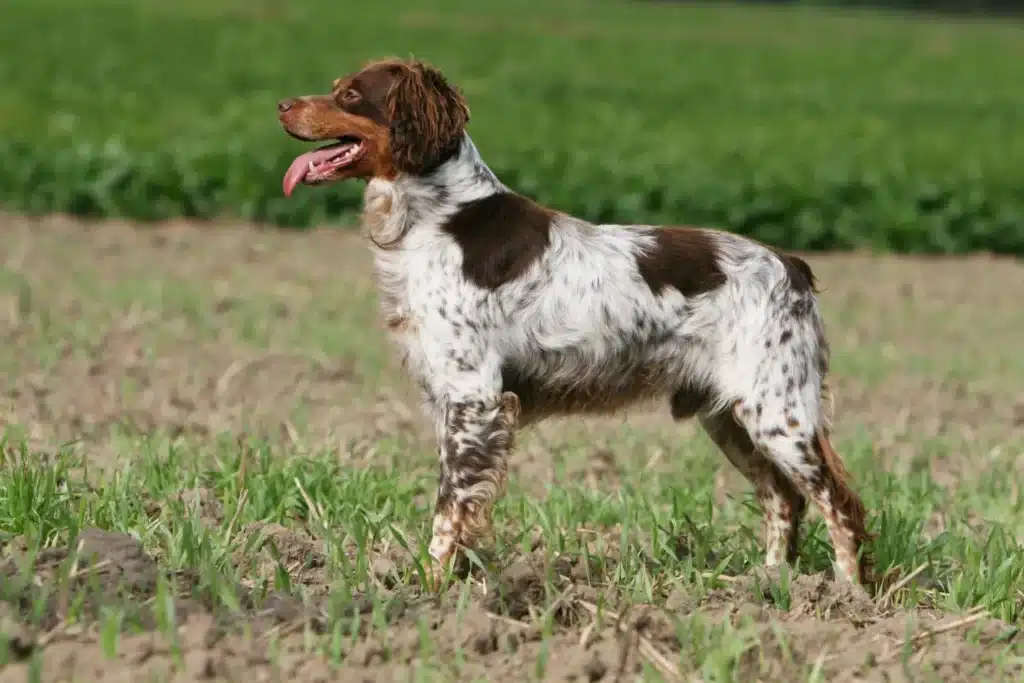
[{"x": 507, "y": 311}]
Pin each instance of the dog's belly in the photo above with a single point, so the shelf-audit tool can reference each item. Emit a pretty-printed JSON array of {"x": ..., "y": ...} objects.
[{"x": 569, "y": 381}]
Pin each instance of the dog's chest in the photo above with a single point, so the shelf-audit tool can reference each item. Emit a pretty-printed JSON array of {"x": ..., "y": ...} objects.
[
  {"x": 418, "y": 279},
  {"x": 422, "y": 317}
]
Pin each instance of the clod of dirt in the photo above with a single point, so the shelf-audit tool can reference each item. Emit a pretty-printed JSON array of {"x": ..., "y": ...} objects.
[
  {"x": 681, "y": 601},
  {"x": 118, "y": 557},
  {"x": 826, "y": 598},
  {"x": 267, "y": 547},
  {"x": 519, "y": 587},
  {"x": 524, "y": 589},
  {"x": 764, "y": 594},
  {"x": 99, "y": 568},
  {"x": 812, "y": 594},
  {"x": 108, "y": 561}
]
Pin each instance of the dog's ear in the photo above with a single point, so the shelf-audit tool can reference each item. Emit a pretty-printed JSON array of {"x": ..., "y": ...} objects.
[{"x": 427, "y": 118}]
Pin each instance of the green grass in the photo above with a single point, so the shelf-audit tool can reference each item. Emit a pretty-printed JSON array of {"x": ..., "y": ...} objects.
[
  {"x": 804, "y": 127},
  {"x": 657, "y": 534}
]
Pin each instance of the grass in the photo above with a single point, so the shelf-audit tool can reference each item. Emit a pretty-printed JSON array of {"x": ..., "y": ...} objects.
[
  {"x": 809, "y": 128},
  {"x": 607, "y": 515},
  {"x": 357, "y": 512},
  {"x": 649, "y": 538}
]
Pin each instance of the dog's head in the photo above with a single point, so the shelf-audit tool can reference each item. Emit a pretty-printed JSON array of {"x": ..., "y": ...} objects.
[{"x": 391, "y": 117}]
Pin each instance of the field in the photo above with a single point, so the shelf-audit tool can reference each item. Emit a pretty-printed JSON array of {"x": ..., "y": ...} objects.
[
  {"x": 212, "y": 468},
  {"x": 810, "y": 130},
  {"x": 249, "y": 483}
]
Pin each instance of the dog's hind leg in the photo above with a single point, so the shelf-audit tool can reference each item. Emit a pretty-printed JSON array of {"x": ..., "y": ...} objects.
[
  {"x": 781, "y": 502},
  {"x": 786, "y": 421}
]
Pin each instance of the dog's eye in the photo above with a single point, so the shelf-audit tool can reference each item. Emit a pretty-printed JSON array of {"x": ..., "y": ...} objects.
[{"x": 351, "y": 96}]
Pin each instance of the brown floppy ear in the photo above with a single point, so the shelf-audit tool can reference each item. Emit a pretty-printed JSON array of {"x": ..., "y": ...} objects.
[{"x": 427, "y": 118}]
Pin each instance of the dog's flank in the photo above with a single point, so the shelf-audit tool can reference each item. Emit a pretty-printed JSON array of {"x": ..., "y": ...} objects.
[{"x": 507, "y": 312}]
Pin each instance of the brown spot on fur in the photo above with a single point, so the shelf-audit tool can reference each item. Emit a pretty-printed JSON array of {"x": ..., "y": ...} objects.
[
  {"x": 799, "y": 272},
  {"x": 684, "y": 259},
  {"x": 688, "y": 401},
  {"x": 396, "y": 322},
  {"x": 501, "y": 236}
]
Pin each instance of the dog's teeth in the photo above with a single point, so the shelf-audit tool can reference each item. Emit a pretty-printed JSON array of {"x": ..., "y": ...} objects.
[{"x": 311, "y": 169}]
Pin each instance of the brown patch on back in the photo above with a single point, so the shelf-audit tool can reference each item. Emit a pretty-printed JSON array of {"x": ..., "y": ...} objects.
[
  {"x": 684, "y": 259},
  {"x": 500, "y": 236}
]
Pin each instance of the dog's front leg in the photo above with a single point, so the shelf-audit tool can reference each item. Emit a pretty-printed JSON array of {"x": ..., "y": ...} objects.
[{"x": 476, "y": 436}]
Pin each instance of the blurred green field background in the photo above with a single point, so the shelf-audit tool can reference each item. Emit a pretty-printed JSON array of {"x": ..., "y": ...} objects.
[{"x": 807, "y": 128}]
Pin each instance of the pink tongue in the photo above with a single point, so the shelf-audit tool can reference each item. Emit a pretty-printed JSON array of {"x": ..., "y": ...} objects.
[{"x": 300, "y": 167}]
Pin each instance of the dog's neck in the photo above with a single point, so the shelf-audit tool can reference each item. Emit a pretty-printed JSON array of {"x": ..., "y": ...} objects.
[
  {"x": 409, "y": 200},
  {"x": 462, "y": 178}
]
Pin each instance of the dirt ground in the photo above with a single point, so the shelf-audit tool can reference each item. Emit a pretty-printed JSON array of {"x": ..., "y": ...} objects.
[{"x": 197, "y": 330}]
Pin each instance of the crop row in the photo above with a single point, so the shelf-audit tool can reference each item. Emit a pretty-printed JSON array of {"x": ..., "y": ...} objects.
[
  {"x": 835, "y": 208},
  {"x": 805, "y": 128}
]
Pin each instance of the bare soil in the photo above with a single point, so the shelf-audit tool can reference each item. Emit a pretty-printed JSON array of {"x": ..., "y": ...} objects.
[
  {"x": 200, "y": 330},
  {"x": 823, "y": 621}
]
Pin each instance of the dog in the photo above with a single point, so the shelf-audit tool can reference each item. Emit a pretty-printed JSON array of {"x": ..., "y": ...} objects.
[{"x": 506, "y": 312}]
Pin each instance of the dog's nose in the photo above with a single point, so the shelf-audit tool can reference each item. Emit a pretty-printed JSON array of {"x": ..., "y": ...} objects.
[{"x": 284, "y": 105}]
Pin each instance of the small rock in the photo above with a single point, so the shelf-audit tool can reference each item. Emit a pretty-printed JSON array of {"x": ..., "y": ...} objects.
[{"x": 679, "y": 600}]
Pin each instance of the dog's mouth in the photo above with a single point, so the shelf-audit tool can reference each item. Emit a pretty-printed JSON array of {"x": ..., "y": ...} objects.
[{"x": 324, "y": 164}]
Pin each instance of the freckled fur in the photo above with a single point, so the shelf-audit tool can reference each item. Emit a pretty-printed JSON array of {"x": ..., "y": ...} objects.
[{"x": 506, "y": 312}]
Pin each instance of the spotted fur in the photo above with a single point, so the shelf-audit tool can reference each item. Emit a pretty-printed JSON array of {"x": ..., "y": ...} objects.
[
  {"x": 576, "y": 327},
  {"x": 507, "y": 312}
]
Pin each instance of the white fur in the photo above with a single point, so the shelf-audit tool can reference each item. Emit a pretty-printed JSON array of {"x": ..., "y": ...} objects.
[
  {"x": 573, "y": 320},
  {"x": 715, "y": 338}
]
